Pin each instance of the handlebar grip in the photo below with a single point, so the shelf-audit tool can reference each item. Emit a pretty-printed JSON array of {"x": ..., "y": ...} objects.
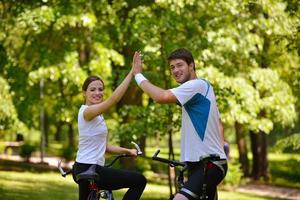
[
  {"x": 156, "y": 153},
  {"x": 62, "y": 172},
  {"x": 170, "y": 162},
  {"x": 139, "y": 151}
]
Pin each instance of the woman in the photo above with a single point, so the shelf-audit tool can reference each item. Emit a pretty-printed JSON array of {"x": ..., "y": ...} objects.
[{"x": 93, "y": 142}]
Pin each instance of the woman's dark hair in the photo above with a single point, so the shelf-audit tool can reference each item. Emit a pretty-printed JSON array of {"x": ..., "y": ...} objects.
[
  {"x": 90, "y": 79},
  {"x": 183, "y": 54}
]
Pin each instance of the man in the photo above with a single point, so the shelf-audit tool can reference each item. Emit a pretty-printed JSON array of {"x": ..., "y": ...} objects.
[{"x": 201, "y": 131}]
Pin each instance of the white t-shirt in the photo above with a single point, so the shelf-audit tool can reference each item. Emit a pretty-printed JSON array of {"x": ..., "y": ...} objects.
[
  {"x": 200, "y": 131},
  {"x": 92, "y": 139}
]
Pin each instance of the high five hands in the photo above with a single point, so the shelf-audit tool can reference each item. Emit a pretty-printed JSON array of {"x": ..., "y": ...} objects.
[{"x": 137, "y": 63}]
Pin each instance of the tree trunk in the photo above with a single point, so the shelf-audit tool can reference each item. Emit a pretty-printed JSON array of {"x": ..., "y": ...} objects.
[
  {"x": 242, "y": 148},
  {"x": 46, "y": 128},
  {"x": 265, "y": 165},
  {"x": 256, "y": 150},
  {"x": 262, "y": 137},
  {"x": 57, "y": 135},
  {"x": 260, "y": 158},
  {"x": 84, "y": 51},
  {"x": 42, "y": 121},
  {"x": 71, "y": 135}
]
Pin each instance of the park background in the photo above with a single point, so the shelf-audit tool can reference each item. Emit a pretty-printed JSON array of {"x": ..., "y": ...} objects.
[{"x": 248, "y": 50}]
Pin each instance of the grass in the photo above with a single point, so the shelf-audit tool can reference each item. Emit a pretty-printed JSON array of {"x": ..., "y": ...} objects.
[
  {"x": 24, "y": 181},
  {"x": 50, "y": 185},
  {"x": 28, "y": 185},
  {"x": 284, "y": 169},
  {"x": 280, "y": 164}
]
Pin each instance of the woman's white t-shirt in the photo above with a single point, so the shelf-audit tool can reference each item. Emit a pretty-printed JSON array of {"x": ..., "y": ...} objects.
[{"x": 92, "y": 139}]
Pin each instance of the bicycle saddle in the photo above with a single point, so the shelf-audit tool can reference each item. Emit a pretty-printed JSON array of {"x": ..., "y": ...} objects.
[{"x": 89, "y": 174}]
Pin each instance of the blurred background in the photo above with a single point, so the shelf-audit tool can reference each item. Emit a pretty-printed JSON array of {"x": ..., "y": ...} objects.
[{"x": 247, "y": 49}]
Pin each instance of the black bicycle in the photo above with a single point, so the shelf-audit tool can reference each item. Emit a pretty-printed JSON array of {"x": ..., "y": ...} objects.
[
  {"x": 213, "y": 158},
  {"x": 91, "y": 175}
]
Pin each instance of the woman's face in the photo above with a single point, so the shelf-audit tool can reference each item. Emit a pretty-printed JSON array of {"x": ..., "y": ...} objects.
[{"x": 94, "y": 93}]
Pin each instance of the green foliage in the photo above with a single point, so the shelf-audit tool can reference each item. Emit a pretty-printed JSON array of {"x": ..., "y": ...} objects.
[
  {"x": 2, "y": 147},
  {"x": 26, "y": 151},
  {"x": 8, "y": 115},
  {"x": 237, "y": 99},
  {"x": 276, "y": 103},
  {"x": 62, "y": 82},
  {"x": 68, "y": 153},
  {"x": 244, "y": 99},
  {"x": 292, "y": 141},
  {"x": 234, "y": 175},
  {"x": 235, "y": 37},
  {"x": 143, "y": 165},
  {"x": 284, "y": 169},
  {"x": 46, "y": 43},
  {"x": 149, "y": 121},
  {"x": 60, "y": 43},
  {"x": 9, "y": 118}
]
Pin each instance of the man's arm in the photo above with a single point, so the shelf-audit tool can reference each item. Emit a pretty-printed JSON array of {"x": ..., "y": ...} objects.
[{"x": 158, "y": 94}]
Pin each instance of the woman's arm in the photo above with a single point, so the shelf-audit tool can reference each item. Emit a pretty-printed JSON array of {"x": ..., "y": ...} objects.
[
  {"x": 94, "y": 110},
  {"x": 120, "y": 150}
]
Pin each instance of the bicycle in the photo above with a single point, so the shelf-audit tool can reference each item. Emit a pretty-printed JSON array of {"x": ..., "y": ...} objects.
[
  {"x": 91, "y": 176},
  {"x": 212, "y": 158}
]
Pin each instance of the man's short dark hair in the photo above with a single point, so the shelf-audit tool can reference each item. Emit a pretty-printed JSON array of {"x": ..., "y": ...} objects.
[{"x": 183, "y": 54}]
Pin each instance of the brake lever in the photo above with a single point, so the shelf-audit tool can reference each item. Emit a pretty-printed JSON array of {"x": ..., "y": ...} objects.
[
  {"x": 139, "y": 151},
  {"x": 62, "y": 172}
]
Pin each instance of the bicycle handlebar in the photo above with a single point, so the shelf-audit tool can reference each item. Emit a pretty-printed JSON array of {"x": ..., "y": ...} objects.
[
  {"x": 164, "y": 160},
  {"x": 62, "y": 172},
  {"x": 117, "y": 158},
  {"x": 139, "y": 152}
]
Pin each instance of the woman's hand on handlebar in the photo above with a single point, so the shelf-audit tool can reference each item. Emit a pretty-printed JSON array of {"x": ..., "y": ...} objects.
[
  {"x": 124, "y": 151},
  {"x": 132, "y": 152}
]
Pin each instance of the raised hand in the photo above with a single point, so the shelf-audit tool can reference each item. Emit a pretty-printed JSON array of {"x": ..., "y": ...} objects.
[{"x": 137, "y": 63}]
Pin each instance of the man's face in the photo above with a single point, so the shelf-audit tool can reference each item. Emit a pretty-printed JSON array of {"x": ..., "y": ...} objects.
[
  {"x": 94, "y": 93},
  {"x": 180, "y": 70}
]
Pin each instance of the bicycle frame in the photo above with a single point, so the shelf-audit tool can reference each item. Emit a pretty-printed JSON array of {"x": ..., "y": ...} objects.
[
  {"x": 173, "y": 163},
  {"x": 180, "y": 178}
]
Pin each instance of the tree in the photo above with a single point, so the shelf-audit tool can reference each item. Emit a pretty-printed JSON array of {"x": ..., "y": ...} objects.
[
  {"x": 62, "y": 42},
  {"x": 9, "y": 121},
  {"x": 53, "y": 42},
  {"x": 276, "y": 106}
]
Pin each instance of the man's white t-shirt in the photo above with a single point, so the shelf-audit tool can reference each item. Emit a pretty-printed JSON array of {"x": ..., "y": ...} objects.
[
  {"x": 92, "y": 139},
  {"x": 200, "y": 131}
]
